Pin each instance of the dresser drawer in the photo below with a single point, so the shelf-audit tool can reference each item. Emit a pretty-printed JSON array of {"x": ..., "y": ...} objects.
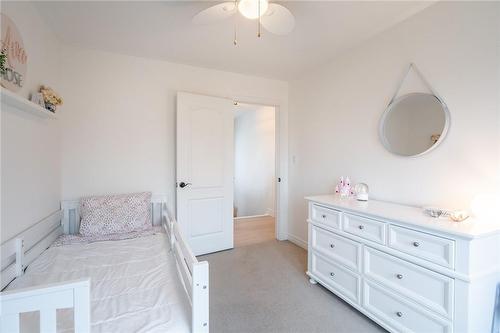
[
  {"x": 400, "y": 314},
  {"x": 433, "y": 290},
  {"x": 342, "y": 280},
  {"x": 366, "y": 228},
  {"x": 336, "y": 247},
  {"x": 436, "y": 249},
  {"x": 327, "y": 216}
]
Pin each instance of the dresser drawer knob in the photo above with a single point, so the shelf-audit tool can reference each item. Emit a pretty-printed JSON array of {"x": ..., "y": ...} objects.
[
  {"x": 323, "y": 216},
  {"x": 332, "y": 274},
  {"x": 399, "y": 314},
  {"x": 416, "y": 244},
  {"x": 399, "y": 276},
  {"x": 332, "y": 245},
  {"x": 361, "y": 227}
]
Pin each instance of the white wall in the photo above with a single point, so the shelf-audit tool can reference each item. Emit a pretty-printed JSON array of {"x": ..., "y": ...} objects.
[
  {"x": 118, "y": 125},
  {"x": 335, "y": 112},
  {"x": 254, "y": 154},
  {"x": 30, "y": 156}
]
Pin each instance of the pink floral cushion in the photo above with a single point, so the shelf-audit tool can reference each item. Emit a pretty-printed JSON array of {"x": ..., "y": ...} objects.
[{"x": 115, "y": 214}]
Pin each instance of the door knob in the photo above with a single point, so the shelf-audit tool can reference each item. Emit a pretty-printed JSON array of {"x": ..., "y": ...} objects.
[{"x": 183, "y": 184}]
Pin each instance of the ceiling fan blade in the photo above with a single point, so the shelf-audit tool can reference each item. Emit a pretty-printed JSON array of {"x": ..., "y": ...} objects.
[
  {"x": 278, "y": 19},
  {"x": 215, "y": 13}
]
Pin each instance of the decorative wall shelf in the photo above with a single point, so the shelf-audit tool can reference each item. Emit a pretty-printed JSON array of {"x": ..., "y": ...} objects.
[{"x": 21, "y": 103}]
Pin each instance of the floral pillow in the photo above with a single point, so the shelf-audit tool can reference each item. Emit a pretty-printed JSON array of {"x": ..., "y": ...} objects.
[{"x": 115, "y": 214}]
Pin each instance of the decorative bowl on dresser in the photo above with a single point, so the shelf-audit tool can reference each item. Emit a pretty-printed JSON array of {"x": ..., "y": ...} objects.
[{"x": 406, "y": 271}]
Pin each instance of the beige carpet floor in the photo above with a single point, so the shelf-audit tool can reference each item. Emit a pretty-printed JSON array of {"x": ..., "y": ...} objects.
[{"x": 263, "y": 288}]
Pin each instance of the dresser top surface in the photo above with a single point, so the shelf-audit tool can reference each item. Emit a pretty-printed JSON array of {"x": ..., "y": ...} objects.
[{"x": 408, "y": 215}]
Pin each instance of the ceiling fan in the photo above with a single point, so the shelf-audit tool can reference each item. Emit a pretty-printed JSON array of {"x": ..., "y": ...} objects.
[{"x": 274, "y": 17}]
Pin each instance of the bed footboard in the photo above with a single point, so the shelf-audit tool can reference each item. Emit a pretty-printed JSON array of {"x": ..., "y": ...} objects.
[
  {"x": 200, "y": 297},
  {"x": 194, "y": 274},
  {"x": 47, "y": 299}
]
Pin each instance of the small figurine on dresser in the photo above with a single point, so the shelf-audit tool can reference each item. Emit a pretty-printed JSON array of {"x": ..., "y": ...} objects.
[{"x": 344, "y": 187}]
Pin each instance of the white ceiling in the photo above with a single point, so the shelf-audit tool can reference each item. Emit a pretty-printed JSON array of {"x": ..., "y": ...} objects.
[{"x": 163, "y": 30}]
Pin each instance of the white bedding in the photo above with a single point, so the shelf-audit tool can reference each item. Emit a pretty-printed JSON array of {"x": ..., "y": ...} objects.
[{"x": 135, "y": 286}]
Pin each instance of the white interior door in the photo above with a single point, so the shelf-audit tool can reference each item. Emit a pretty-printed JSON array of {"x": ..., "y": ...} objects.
[{"x": 205, "y": 171}]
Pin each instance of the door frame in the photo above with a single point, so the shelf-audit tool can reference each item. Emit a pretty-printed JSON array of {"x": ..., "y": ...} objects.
[
  {"x": 281, "y": 153},
  {"x": 280, "y": 162}
]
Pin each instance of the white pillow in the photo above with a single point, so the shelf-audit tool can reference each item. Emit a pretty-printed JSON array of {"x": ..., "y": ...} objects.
[{"x": 115, "y": 214}]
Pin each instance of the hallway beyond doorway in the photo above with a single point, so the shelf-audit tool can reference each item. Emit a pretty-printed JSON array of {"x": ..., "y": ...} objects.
[{"x": 253, "y": 230}]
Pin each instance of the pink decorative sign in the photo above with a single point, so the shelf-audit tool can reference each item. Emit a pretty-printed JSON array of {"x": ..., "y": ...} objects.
[{"x": 17, "y": 58}]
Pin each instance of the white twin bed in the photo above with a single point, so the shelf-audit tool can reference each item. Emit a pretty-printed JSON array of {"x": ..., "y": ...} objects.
[{"x": 147, "y": 283}]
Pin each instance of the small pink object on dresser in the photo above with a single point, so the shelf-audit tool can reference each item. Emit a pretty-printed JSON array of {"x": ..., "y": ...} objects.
[
  {"x": 344, "y": 187},
  {"x": 115, "y": 214}
]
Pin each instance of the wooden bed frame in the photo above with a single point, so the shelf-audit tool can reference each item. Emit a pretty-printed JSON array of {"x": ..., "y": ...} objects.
[{"x": 20, "y": 251}]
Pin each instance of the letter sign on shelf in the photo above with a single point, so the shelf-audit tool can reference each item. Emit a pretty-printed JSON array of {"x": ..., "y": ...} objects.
[{"x": 17, "y": 58}]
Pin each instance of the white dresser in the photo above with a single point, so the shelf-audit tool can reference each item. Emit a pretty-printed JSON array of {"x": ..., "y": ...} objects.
[{"x": 406, "y": 271}]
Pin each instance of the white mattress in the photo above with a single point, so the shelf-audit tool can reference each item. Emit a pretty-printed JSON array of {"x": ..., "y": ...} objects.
[{"x": 135, "y": 286}]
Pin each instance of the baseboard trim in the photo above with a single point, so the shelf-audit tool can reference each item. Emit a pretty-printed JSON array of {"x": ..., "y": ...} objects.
[
  {"x": 297, "y": 241},
  {"x": 249, "y": 217},
  {"x": 270, "y": 212}
]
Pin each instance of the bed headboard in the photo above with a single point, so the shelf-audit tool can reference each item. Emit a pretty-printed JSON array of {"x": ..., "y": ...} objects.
[{"x": 71, "y": 213}]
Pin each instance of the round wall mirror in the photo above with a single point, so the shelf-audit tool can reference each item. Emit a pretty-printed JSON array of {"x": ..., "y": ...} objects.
[{"x": 414, "y": 124}]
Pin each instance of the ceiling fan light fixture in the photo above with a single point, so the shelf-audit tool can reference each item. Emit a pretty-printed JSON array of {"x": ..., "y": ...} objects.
[{"x": 250, "y": 8}]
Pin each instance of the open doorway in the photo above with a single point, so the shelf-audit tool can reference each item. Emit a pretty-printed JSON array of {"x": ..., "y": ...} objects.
[{"x": 254, "y": 174}]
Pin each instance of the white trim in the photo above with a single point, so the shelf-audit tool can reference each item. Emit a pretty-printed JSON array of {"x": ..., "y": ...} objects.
[
  {"x": 250, "y": 217},
  {"x": 281, "y": 142},
  {"x": 270, "y": 211},
  {"x": 281, "y": 163},
  {"x": 281, "y": 172},
  {"x": 297, "y": 241}
]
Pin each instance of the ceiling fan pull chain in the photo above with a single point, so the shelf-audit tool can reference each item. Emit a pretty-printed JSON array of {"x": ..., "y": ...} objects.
[
  {"x": 258, "y": 32},
  {"x": 235, "y": 39}
]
